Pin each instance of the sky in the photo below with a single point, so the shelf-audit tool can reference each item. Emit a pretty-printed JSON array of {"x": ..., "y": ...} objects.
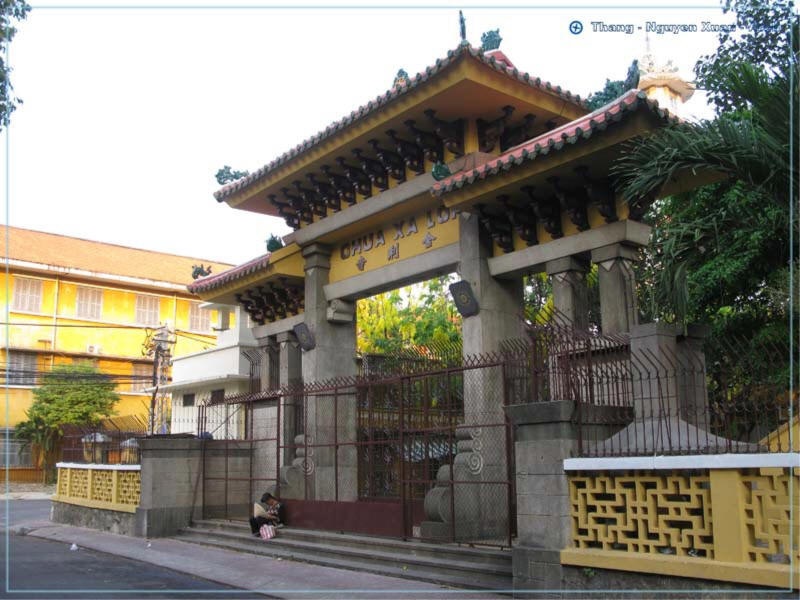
[{"x": 130, "y": 108}]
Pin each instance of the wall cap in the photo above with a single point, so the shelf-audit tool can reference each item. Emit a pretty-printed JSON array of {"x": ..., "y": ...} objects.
[
  {"x": 97, "y": 467},
  {"x": 701, "y": 461}
]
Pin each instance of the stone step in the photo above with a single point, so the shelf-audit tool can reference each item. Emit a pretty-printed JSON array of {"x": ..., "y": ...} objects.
[
  {"x": 368, "y": 558},
  {"x": 483, "y": 555}
]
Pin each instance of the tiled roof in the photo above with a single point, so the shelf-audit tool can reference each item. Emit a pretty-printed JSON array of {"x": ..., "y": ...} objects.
[
  {"x": 452, "y": 57},
  {"x": 98, "y": 257},
  {"x": 552, "y": 141},
  {"x": 216, "y": 281}
]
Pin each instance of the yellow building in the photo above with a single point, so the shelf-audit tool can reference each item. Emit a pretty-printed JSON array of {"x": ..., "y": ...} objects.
[{"x": 69, "y": 300}]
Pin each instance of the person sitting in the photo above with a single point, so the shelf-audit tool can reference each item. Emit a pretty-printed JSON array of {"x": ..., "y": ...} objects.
[{"x": 268, "y": 512}]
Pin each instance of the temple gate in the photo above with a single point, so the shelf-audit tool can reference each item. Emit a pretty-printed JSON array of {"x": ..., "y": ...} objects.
[{"x": 473, "y": 167}]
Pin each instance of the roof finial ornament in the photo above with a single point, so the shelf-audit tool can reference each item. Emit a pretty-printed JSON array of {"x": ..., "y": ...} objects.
[
  {"x": 401, "y": 79},
  {"x": 490, "y": 40},
  {"x": 463, "y": 23}
]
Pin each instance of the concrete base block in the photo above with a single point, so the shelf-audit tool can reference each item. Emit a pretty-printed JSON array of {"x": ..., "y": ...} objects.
[{"x": 111, "y": 521}]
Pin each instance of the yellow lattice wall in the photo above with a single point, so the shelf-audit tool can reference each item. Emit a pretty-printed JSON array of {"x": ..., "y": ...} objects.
[
  {"x": 724, "y": 524},
  {"x": 98, "y": 487}
]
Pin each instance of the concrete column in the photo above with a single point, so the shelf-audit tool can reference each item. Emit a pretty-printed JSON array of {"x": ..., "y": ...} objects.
[
  {"x": 482, "y": 440},
  {"x": 331, "y": 472},
  {"x": 546, "y": 434},
  {"x": 291, "y": 376},
  {"x": 669, "y": 372},
  {"x": 570, "y": 294},
  {"x": 266, "y": 369},
  {"x": 618, "y": 308},
  {"x": 500, "y": 301},
  {"x": 172, "y": 492}
]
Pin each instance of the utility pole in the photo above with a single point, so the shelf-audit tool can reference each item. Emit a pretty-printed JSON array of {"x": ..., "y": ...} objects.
[{"x": 159, "y": 346}]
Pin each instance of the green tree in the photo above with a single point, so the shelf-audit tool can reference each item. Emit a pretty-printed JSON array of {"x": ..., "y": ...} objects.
[
  {"x": 226, "y": 175},
  {"x": 721, "y": 254},
  {"x": 765, "y": 36},
  {"x": 422, "y": 316},
  {"x": 10, "y": 11},
  {"x": 68, "y": 395}
]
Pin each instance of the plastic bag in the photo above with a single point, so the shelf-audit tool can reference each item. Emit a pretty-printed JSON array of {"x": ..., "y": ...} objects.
[{"x": 267, "y": 532}]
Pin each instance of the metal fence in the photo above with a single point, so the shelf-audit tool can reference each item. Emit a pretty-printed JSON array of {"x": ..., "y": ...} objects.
[
  {"x": 420, "y": 447},
  {"x": 424, "y": 455},
  {"x": 648, "y": 396},
  {"x": 112, "y": 441}
]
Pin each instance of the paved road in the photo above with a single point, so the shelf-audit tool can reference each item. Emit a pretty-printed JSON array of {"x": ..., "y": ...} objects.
[{"x": 42, "y": 568}]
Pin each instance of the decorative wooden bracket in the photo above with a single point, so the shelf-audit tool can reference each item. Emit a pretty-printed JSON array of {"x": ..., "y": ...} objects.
[
  {"x": 410, "y": 153},
  {"x": 572, "y": 202},
  {"x": 524, "y": 222},
  {"x": 358, "y": 179},
  {"x": 340, "y": 183},
  {"x": 296, "y": 202},
  {"x": 374, "y": 170},
  {"x": 431, "y": 145},
  {"x": 450, "y": 132},
  {"x": 325, "y": 192},
  {"x": 512, "y": 136},
  {"x": 286, "y": 211},
  {"x": 489, "y": 132},
  {"x": 391, "y": 161},
  {"x": 600, "y": 193},
  {"x": 310, "y": 200},
  {"x": 547, "y": 212},
  {"x": 498, "y": 227}
]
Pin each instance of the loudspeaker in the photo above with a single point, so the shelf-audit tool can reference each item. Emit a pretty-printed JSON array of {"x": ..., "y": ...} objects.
[
  {"x": 304, "y": 337},
  {"x": 465, "y": 300}
]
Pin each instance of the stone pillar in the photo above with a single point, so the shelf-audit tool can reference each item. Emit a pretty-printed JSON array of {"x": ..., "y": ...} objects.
[
  {"x": 172, "y": 485},
  {"x": 480, "y": 508},
  {"x": 546, "y": 434},
  {"x": 668, "y": 370},
  {"x": 267, "y": 370},
  {"x": 570, "y": 294},
  {"x": 618, "y": 308},
  {"x": 500, "y": 301},
  {"x": 291, "y": 376},
  {"x": 332, "y": 472}
]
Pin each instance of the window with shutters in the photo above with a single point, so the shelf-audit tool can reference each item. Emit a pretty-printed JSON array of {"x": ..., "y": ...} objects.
[
  {"x": 147, "y": 310},
  {"x": 89, "y": 302},
  {"x": 27, "y": 294},
  {"x": 199, "y": 318},
  {"x": 21, "y": 368}
]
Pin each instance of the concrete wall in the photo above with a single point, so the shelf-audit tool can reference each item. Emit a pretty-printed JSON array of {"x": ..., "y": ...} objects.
[
  {"x": 111, "y": 521},
  {"x": 172, "y": 485}
]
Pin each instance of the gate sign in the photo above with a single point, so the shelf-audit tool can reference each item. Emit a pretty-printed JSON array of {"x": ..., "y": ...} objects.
[{"x": 398, "y": 240}]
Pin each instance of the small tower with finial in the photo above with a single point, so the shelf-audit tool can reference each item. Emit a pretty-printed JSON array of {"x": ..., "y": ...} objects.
[{"x": 661, "y": 81}]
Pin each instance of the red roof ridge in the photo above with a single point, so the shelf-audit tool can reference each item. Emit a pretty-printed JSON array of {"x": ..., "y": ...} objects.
[
  {"x": 210, "y": 282},
  {"x": 568, "y": 132},
  {"x": 488, "y": 58}
]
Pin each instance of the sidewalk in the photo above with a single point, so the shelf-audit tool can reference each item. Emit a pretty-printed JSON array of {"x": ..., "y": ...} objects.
[
  {"x": 273, "y": 577},
  {"x": 27, "y": 491}
]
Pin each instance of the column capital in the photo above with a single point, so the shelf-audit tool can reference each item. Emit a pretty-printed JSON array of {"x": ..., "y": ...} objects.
[
  {"x": 286, "y": 336},
  {"x": 567, "y": 263},
  {"x": 317, "y": 256},
  {"x": 613, "y": 251}
]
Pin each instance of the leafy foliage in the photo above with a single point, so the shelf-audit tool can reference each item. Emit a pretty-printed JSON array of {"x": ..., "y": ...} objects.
[
  {"x": 226, "y": 175},
  {"x": 764, "y": 29},
  {"x": 422, "y": 315},
  {"x": 69, "y": 395},
  {"x": 721, "y": 254},
  {"x": 274, "y": 242},
  {"x": 614, "y": 89},
  {"x": 10, "y": 11}
]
